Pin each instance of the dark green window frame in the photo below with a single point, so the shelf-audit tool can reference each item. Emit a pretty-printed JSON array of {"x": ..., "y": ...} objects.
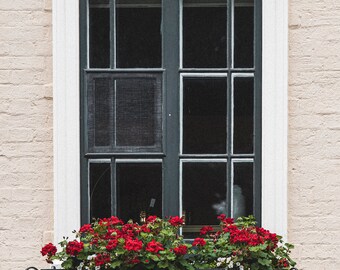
[{"x": 171, "y": 114}]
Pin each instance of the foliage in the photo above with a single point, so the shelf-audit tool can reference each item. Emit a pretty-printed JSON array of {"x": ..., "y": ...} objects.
[
  {"x": 111, "y": 244},
  {"x": 242, "y": 245}
]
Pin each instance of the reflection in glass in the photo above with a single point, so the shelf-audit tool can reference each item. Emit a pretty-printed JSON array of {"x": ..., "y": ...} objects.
[
  {"x": 100, "y": 190},
  {"x": 99, "y": 34},
  {"x": 243, "y": 189},
  {"x": 139, "y": 189},
  {"x": 139, "y": 40},
  {"x": 244, "y": 34},
  {"x": 203, "y": 191},
  {"x": 204, "y": 34},
  {"x": 204, "y": 115},
  {"x": 243, "y": 115}
]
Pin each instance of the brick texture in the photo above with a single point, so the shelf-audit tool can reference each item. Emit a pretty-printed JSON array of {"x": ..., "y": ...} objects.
[
  {"x": 314, "y": 133},
  {"x": 26, "y": 176},
  {"x": 26, "y": 173}
]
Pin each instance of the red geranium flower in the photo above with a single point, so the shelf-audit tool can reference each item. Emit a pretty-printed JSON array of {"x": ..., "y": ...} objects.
[
  {"x": 154, "y": 247},
  {"x": 134, "y": 260},
  {"x": 74, "y": 247},
  {"x": 112, "y": 244},
  {"x": 199, "y": 242},
  {"x": 86, "y": 228},
  {"x": 49, "y": 250},
  {"x": 206, "y": 229},
  {"x": 151, "y": 219},
  {"x": 102, "y": 259},
  {"x": 180, "y": 250},
  {"x": 176, "y": 221},
  {"x": 133, "y": 245}
]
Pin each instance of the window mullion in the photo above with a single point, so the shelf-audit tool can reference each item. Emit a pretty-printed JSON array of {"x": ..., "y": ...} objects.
[
  {"x": 113, "y": 47},
  {"x": 171, "y": 13}
]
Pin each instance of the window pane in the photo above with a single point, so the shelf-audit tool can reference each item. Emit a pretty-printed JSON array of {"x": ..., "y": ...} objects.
[
  {"x": 203, "y": 191},
  {"x": 243, "y": 115},
  {"x": 139, "y": 189},
  {"x": 204, "y": 115},
  {"x": 103, "y": 112},
  {"x": 204, "y": 34},
  {"x": 100, "y": 190},
  {"x": 243, "y": 189},
  {"x": 99, "y": 34},
  {"x": 139, "y": 41},
  {"x": 138, "y": 112},
  {"x": 244, "y": 33},
  {"x": 124, "y": 112}
]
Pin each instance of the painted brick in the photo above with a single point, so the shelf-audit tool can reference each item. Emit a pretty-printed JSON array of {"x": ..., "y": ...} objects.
[
  {"x": 314, "y": 133},
  {"x": 26, "y": 164}
]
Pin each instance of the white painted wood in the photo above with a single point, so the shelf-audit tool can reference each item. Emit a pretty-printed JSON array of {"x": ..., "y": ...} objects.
[
  {"x": 274, "y": 115},
  {"x": 66, "y": 117}
]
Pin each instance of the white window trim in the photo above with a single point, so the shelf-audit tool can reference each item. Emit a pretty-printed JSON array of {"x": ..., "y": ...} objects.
[{"x": 67, "y": 124}]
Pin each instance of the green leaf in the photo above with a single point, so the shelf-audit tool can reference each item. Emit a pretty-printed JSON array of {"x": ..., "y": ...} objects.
[
  {"x": 115, "y": 264},
  {"x": 265, "y": 262}
]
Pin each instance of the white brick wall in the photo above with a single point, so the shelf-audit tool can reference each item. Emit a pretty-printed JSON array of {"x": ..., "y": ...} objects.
[
  {"x": 314, "y": 133},
  {"x": 26, "y": 179}
]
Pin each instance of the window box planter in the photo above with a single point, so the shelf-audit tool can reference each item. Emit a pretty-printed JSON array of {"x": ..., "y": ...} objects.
[{"x": 109, "y": 243}]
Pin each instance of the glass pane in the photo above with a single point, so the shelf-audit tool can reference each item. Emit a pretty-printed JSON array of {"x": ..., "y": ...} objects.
[
  {"x": 244, "y": 34},
  {"x": 99, "y": 34},
  {"x": 138, "y": 112},
  {"x": 124, "y": 112},
  {"x": 204, "y": 34},
  {"x": 139, "y": 189},
  {"x": 243, "y": 115},
  {"x": 139, "y": 40},
  {"x": 103, "y": 112},
  {"x": 203, "y": 191},
  {"x": 204, "y": 115},
  {"x": 100, "y": 190},
  {"x": 243, "y": 189}
]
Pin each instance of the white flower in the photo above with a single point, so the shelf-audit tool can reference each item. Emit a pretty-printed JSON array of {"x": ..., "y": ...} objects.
[
  {"x": 237, "y": 264},
  {"x": 231, "y": 264},
  {"x": 90, "y": 257},
  {"x": 97, "y": 268},
  {"x": 218, "y": 264},
  {"x": 241, "y": 267},
  {"x": 228, "y": 259}
]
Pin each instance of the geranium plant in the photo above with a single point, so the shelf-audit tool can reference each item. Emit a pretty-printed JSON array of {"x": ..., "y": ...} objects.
[
  {"x": 241, "y": 245},
  {"x": 111, "y": 244}
]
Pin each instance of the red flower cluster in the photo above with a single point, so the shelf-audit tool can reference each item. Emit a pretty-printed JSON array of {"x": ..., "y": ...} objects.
[
  {"x": 133, "y": 245},
  {"x": 134, "y": 260},
  {"x": 283, "y": 263},
  {"x": 74, "y": 247},
  {"x": 111, "y": 244},
  {"x": 180, "y": 250},
  {"x": 48, "y": 250},
  {"x": 199, "y": 242},
  {"x": 176, "y": 221},
  {"x": 206, "y": 229},
  {"x": 86, "y": 228},
  {"x": 251, "y": 236},
  {"x": 223, "y": 218},
  {"x": 154, "y": 247},
  {"x": 112, "y": 221},
  {"x": 102, "y": 259},
  {"x": 151, "y": 219}
]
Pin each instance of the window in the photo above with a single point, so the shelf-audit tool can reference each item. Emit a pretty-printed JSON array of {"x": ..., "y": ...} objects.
[
  {"x": 171, "y": 109},
  {"x": 66, "y": 124}
]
